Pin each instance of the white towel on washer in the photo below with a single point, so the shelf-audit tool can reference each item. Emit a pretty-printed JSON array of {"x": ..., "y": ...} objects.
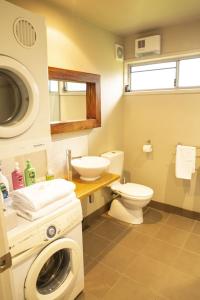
[
  {"x": 33, "y": 215},
  {"x": 41, "y": 194},
  {"x": 185, "y": 161}
]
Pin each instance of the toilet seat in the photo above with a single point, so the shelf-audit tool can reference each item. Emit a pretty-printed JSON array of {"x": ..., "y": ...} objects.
[{"x": 133, "y": 191}]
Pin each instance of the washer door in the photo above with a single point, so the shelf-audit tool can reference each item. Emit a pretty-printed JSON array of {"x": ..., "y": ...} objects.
[
  {"x": 54, "y": 271},
  {"x": 19, "y": 98}
]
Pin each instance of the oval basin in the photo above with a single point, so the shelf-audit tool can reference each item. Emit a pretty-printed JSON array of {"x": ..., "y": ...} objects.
[{"x": 90, "y": 168}]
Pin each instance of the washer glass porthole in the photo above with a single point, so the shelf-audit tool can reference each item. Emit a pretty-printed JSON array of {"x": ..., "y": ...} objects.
[
  {"x": 54, "y": 272},
  {"x": 14, "y": 98}
]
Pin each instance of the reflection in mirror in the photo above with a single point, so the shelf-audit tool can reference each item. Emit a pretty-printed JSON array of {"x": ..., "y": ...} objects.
[{"x": 67, "y": 101}]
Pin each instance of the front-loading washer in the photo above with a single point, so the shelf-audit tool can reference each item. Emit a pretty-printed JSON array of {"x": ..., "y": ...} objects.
[
  {"x": 47, "y": 255},
  {"x": 24, "y": 103}
]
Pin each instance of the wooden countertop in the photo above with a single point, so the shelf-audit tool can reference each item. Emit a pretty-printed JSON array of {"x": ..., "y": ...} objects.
[{"x": 85, "y": 188}]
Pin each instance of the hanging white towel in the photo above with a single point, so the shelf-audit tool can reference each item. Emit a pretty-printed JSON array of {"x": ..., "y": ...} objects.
[
  {"x": 185, "y": 161},
  {"x": 33, "y": 215},
  {"x": 39, "y": 195}
]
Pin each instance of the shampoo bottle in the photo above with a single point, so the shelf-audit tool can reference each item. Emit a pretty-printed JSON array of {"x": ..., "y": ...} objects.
[
  {"x": 30, "y": 175},
  {"x": 17, "y": 178},
  {"x": 4, "y": 185}
]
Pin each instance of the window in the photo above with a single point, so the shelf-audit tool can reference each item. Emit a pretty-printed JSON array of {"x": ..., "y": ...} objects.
[
  {"x": 155, "y": 76},
  {"x": 53, "y": 86},
  {"x": 74, "y": 86},
  {"x": 189, "y": 72},
  {"x": 182, "y": 73}
]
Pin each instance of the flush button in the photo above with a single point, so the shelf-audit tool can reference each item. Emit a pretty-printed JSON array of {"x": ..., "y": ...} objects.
[{"x": 51, "y": 231}]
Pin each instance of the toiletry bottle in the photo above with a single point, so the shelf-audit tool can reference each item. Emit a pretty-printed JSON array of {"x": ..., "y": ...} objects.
[
  {"x": 4, "y": 185},
  {"x": 29, "y": 173},
  {"x": 68, "y": 165},
  {"x": 49, "y": 175},
  {"x": 17, "y": 178}
]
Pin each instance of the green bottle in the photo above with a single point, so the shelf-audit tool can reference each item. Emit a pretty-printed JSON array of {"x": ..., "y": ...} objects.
[{"x": 29, "y": 173}]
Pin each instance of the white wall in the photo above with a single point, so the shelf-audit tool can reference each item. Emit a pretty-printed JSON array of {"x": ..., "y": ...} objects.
[
  {"x": 77, "y": 45},
  {"x": 165, "y": 119}
]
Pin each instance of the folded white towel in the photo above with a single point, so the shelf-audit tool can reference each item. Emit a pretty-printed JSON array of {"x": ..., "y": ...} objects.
[
  {"x": 185, "y": 161},
  {"x": 33, "y": 215},
  {"x": 39, "y": 195}
]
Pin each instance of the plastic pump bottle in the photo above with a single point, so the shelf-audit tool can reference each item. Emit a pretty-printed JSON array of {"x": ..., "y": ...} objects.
[
  {"x": 49, "y": 175},
  {"x": 17, "y": 178},
  {"x": 30, "y": 175},
  {"x": 4, "y": 185}
]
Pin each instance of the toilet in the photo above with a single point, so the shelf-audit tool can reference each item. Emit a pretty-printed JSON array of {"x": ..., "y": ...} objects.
[{"x": 132, "y": 196}]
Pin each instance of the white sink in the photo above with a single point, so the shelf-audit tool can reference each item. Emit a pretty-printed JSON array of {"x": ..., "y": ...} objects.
[{"x": 90, "y": 168}]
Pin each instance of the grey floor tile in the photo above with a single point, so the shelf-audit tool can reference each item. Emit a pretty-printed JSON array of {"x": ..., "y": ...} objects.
[{"x": 157, "y": 260}]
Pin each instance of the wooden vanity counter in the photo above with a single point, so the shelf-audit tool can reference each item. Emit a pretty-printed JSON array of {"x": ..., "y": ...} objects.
[{"x": 86, "y": 188}]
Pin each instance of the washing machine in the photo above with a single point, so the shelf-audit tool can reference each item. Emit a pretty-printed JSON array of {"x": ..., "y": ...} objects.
[
  {"x": 24, "y": 103},
  {"x": 47, "y": 255}
]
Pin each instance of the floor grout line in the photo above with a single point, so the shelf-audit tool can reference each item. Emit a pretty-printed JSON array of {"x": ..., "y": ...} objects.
[{"x": 97, "y": 259}]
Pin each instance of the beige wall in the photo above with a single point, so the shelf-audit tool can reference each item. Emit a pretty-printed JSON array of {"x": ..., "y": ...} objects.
[
  {"x": 165, "y": 119},
  {"x": 73, "y": 107},
  {"x": 77, "y": 45},
  {"x": 183, "y": 37}
]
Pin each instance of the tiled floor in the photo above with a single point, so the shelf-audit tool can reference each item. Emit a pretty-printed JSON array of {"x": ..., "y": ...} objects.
[{"x": 157, "y": 260}]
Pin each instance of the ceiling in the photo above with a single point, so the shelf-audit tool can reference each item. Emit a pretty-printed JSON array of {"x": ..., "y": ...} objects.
[{"x": 132, "y": 16}]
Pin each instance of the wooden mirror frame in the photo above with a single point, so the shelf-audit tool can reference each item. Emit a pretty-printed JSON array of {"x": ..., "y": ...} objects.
[{"x": 93, "y": 100}]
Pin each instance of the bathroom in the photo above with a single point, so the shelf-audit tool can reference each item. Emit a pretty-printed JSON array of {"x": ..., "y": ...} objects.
[{"x": 128, "y": 122}]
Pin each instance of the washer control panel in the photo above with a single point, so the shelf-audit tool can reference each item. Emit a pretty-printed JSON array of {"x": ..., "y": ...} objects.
[
  {"x": 51, "y": 231},
  {"x": 29, "y": 235}
]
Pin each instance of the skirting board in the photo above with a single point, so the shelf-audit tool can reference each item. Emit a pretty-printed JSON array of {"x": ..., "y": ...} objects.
[
  {"x": 89, "y": 220},
  {"x": 175, "y": 210}
]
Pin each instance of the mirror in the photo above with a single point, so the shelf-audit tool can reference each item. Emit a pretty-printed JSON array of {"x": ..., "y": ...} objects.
[
  {"x": 67, "y": 101},
  {"x": 75, "y": 102}
]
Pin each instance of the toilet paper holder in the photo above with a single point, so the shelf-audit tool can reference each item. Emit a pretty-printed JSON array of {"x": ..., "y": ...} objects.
[{"x": 147, "y": 147}]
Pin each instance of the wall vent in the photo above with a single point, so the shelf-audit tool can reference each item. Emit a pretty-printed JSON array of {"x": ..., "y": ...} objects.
[
  {"x": 119, "y": 52},
  {"x": 24, "y": 32},
  {"x": 147, "y": 45}
]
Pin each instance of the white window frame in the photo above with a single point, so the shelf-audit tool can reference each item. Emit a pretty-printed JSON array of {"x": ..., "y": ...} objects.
[
  {"x": 64, "y": 92},
  {"x": 159, "y": 59}
]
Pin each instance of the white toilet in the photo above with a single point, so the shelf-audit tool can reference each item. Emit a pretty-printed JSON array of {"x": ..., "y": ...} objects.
[{"x": 134, "y": 197}]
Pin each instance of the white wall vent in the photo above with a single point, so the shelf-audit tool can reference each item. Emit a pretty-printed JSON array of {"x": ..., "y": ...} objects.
[
  {"x": 147, "y": 45},
  {"x": 24, "y": 32},
  {"x": 119, "y": 52}
]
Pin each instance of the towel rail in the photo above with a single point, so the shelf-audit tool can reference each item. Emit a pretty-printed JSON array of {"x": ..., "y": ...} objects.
[
  {"x": 198, "y": 147},
  {"x": 197, "y": 156}
]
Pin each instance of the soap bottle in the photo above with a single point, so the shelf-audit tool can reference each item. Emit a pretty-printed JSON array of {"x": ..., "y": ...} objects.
[
  {"x": 4, "y": 185},
  {"x": 49, "y": 175},
  {"x": 17, "y": 178},
  {"x": 30, "y": 174}
]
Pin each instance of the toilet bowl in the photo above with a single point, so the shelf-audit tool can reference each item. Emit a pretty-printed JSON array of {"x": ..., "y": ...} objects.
[{"x": 132, "y": 198}]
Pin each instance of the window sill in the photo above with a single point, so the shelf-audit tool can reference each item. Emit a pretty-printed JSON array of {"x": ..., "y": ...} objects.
[{"x": 163, "y": 92}]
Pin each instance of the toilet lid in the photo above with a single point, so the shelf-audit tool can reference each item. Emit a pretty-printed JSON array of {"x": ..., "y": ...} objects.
[{"x": 133, "y": 190}]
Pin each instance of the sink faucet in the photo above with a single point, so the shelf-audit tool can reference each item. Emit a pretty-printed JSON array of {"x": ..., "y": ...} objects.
[
  {"x": 123, "y": 180},
  {"x": 68, "y": 164}
]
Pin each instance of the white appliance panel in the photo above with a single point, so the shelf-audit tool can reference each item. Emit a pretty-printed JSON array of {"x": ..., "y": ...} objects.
[{"x": 34, "y": 59}]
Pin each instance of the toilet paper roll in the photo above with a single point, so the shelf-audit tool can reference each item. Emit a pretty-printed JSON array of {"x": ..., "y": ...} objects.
[{"x": 147, "y": 148}]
